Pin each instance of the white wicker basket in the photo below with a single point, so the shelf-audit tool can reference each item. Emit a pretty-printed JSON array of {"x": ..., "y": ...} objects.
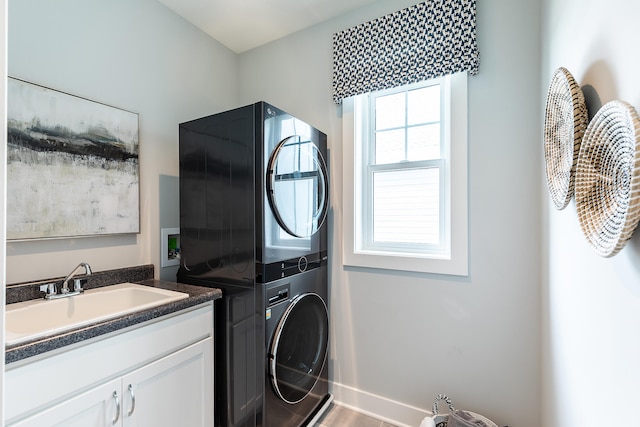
[
  {"x": 565, "y": 122},
  {"x": 607, "y": 184}
]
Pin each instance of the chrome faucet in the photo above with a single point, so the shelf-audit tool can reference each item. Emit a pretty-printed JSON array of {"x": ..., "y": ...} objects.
[
  {"x": 77, "y": 283},
  {"x": 52, "y": 293}
]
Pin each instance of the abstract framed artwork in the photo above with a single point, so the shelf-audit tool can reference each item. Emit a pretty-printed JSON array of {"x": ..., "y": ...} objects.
[{"x": 72, "y": 165}]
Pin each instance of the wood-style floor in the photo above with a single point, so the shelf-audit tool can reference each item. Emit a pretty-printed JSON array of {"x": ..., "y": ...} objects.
[{"x": 339, "y": 416}]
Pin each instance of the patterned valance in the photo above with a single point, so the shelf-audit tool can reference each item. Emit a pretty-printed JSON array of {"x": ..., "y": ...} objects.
[{"x": 428, "y": 40}]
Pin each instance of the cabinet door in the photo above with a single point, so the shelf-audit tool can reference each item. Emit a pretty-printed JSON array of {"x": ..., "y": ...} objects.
[
  {"x": 97, "y": 407},
  {"x": 176, "y": 390}
]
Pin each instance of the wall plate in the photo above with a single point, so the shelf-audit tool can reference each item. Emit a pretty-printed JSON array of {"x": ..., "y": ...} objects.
[{"x": 169, "y": 247}]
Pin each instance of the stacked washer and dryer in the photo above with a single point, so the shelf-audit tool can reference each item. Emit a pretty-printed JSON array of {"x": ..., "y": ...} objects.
[{"x": 253, "y": 203}]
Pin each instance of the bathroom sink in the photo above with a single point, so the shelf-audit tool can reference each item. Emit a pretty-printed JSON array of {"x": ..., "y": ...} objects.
[{"x": 33, "y": 319}]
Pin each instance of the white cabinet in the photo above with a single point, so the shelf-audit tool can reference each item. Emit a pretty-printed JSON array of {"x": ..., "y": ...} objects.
[
  {"x": 95, "y": 407},
  {"x": 173, "y": 391},
  {"x": 92, "y": 385}
]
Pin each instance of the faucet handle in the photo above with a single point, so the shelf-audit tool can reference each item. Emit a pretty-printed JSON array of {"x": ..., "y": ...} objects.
[
  {"x": 78, "y": 284},
  {"x": 49, "y": 289}
]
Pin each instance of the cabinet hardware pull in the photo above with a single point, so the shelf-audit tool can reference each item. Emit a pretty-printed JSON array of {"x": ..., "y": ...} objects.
[
  {"x": 115, "y": 397},
  {"x": 133, "y": 401}
]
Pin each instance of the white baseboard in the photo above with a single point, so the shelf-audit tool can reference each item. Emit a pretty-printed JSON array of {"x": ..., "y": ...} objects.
[{"x": 385, "y": 409}]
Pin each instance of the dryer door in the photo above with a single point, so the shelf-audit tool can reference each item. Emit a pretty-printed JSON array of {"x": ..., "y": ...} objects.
[
  {"x": 297, "y": 186},
  {"x": 299, "y": 347}
]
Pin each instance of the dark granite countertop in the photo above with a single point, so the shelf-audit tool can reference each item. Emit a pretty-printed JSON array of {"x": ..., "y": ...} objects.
[{"x": 197, "y": 295}]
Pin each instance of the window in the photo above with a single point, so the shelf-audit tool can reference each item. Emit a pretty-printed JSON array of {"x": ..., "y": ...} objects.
[{"x": 405, "y": 177}]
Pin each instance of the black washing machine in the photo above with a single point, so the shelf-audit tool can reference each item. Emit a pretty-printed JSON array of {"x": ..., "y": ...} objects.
[
  {"x": 296, "y": 341},
  {"x": 253, "y": 202},
  {"x": 254, "y": 195}
]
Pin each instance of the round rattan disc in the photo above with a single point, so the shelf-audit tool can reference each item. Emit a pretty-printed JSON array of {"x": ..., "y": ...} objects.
[
  {"x": 608, "y": 178},
  {"x": 565, "y": 122}
]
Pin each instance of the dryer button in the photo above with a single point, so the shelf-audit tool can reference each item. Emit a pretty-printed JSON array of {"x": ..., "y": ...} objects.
[{"x": 302, "y": 264}]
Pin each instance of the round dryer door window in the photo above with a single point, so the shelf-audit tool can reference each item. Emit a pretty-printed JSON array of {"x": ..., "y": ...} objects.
[
  {"x": 299, "y": 348},
  {"x": 297, "y": 186}
]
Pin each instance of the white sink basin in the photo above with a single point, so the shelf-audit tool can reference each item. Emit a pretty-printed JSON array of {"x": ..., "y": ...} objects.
[{"x": 28, "y": 320}]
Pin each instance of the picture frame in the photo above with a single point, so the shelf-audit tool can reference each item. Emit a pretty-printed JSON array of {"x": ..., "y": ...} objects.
[{"x": 72, "y": 165}]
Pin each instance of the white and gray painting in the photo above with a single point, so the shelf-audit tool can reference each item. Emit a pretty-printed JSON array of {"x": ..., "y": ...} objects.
[{"x": 72, "y": 167}]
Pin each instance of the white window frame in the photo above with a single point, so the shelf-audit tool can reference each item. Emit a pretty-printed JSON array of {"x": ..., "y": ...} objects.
[
  {"x": 366, "y": 151},
  {"x": 453, "y": 260}
]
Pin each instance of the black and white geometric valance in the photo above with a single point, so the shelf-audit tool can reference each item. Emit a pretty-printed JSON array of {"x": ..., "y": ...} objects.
[{"x": 428, "y": 40}]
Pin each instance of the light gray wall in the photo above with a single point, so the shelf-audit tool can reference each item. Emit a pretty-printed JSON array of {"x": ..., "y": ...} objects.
[
  {"x": 398, "y": 339},
  {"x": 136, "y": 55},
  {"x": 591, "y": 304}
]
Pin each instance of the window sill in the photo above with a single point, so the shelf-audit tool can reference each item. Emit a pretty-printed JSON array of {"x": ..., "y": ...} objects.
[{"x": 456, "y": 266}]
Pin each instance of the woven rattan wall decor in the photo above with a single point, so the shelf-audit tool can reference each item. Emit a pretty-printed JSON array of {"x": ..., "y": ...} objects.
[
  {"x": 607, "y": 182},
  {"x": 565, "y": 122}
]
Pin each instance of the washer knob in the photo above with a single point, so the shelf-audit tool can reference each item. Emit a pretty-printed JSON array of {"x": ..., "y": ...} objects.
[{"x": 302, "y": 263}]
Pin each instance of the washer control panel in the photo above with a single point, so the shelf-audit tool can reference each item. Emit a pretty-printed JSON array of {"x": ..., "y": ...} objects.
[{"x": 289, "y": 267}]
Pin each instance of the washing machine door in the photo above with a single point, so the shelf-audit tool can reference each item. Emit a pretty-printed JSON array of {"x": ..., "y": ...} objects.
[
  {"x": 297, "y": 186},
  {"x": 299, "y": 347}
]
